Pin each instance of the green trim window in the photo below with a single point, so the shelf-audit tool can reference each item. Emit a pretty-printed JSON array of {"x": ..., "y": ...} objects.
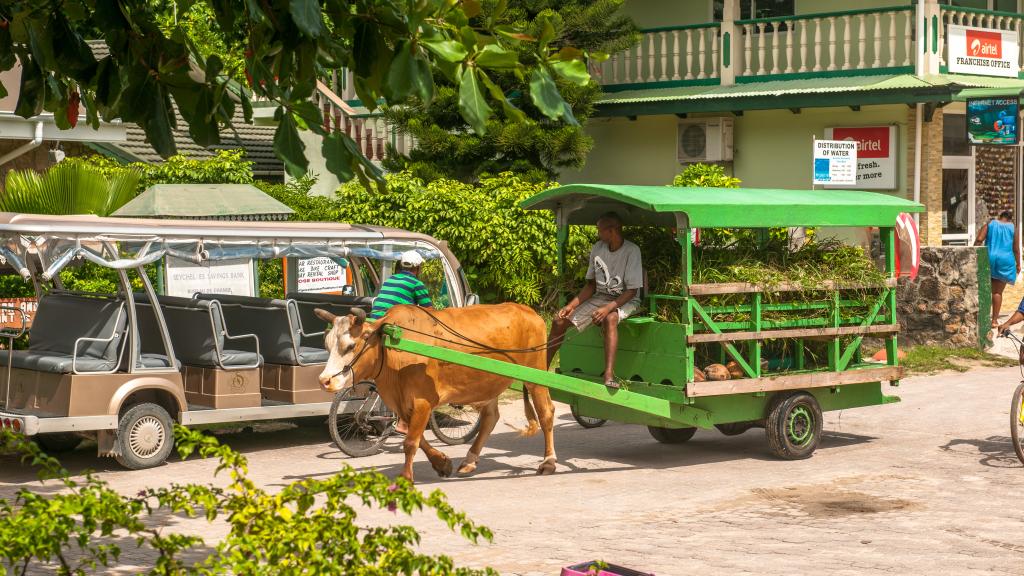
[
  {"x": 997, "y": 5},
  {"x": 756, "y": 9}
]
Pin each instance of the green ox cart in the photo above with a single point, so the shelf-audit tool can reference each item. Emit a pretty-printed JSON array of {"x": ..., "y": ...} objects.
[{"x": 791, "y": 368}]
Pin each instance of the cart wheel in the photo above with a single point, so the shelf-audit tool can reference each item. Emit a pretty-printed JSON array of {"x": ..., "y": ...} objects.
[
  {"x": 359, "y": 421},
  {"x": 144, "y": 436},
  {"x": 455, "y": 424},
  {"x": 734, "y": 428},
  {"x": 794, "y": 426},
  {"x": 1017, "y": 422},
  {"x": 586, "y": 421},
  {"x": 671, "y": 435},
  {"x": 58, "y": 442}
]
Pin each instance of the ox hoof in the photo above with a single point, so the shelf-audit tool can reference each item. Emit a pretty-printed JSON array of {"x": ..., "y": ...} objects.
[
  {"x": 546, "y": 468},
  {"x": 466, "y": 469},
  {"x": 444, "y": 470}
]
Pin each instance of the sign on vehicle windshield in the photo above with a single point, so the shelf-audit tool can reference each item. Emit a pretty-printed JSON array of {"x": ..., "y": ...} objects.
[
  {"x": 320, "y": 275},
  {"x": 222, "y": 277}
]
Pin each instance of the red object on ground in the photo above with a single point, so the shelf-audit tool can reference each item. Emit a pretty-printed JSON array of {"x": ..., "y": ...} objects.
[
  {"x": 881, "y": 356},
  {"x": 589, "y": 569}
]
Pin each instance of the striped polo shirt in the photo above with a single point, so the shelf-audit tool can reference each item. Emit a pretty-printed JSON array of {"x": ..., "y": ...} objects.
[{"x": 400, "y": 288}]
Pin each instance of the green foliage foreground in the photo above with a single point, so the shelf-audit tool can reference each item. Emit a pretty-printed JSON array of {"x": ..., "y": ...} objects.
[{"x": 309, "y": 527}]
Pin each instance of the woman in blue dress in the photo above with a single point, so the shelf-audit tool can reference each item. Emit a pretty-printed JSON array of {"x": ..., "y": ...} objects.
[{"x": 1003, "y": 242}]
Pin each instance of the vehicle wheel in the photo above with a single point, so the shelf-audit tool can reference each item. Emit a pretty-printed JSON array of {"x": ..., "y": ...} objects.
[
  {"x": 671, "y": 435},
  {"x": 58, "y": 442},
  {"x": 359, "y": 421},
  {"x": 1017, "y": 422},
  {"x": 734, "y": 428},
  {"x": 586, "y": 421},
  {"x": 145, "y": 436},
  {"x": 455, "y": 424},
  {"x": 794, "y": 426}
]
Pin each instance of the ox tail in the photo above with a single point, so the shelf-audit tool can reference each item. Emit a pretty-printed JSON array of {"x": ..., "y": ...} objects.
[{"x": 532, "y": 423}]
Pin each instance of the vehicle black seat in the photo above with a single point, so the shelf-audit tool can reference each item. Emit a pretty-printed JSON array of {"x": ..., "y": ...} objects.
[
  {"x": 198, "y": 334},
  {"x": 339, "y": 304},
  {"x": 275, "y": 323},
  {"x": 74, "y": 332}
]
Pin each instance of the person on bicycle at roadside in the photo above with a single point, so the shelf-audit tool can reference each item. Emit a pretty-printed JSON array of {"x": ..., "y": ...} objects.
[{"x": 402, "y": 287}]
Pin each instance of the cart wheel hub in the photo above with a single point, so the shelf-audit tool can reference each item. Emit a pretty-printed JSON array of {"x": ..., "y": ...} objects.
[
  {"x": 146, "y": 436},
  {"x": 800, "y": 425}
]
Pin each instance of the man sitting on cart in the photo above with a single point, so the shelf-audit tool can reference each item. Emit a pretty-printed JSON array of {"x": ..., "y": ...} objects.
[{"x": 614, "y": 278}]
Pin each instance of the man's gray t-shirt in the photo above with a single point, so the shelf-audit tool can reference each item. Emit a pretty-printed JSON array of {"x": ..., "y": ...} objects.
[{"x": 616, "y": 272}]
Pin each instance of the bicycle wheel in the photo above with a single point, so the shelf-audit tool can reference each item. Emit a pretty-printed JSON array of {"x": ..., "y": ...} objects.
[
  {"x": 359, "y": 421},
  {"x": 455, "y": 423},
  {"x": 586, "y": 421},
  {"x": 1017, "y": 422}
]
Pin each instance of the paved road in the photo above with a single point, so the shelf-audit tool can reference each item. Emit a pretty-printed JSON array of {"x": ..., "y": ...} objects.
[{"x": 930, "y": 485}]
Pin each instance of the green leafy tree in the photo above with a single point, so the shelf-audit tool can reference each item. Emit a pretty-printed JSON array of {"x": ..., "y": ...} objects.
[
  {"x": 308, "y": 527},
  {"x": 507, "y": 253},
  {"x": 519, "y": 138},
  {"x": 226, "y": 167},
  {"x": 396, "y": 51},
  {"x": 68, "y": 188}
]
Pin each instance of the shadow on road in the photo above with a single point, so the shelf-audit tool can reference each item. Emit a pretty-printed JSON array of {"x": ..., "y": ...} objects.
[{"x": 994, "y": 451}]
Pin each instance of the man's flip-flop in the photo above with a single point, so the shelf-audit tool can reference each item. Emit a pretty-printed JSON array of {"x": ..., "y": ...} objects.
[{"x": 612, "y": 384}]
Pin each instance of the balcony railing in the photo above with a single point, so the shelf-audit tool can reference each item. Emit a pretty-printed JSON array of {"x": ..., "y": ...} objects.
[
  {"x": 370, "y": 131},
  {"x": 856, "y": 40},
  {"x": 868, "y": 41}
]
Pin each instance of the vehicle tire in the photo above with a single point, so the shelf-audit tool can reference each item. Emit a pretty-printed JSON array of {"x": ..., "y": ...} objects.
[
  {"x": 359, "y": 422},
  {"x": 586, "y": 421},
  {"x": 794, "y": 426},
  {"x": 455, "y": 424},
  {"x": 734, "y": 428},
  {"x": 1017, "y": 422},
  {"x": 671, "y": 435},
  {"x": 145, "y": 436},
  {"x": 58, "y": 442}
]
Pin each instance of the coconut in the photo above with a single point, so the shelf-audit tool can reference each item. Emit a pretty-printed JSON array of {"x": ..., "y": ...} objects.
[{"x": 716, "y": 372}]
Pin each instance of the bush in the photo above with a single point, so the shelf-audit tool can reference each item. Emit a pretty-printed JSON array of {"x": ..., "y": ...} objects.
[
  {"x": 507, "y": 253},
  {"x": 226, "y": 167},
  {"x": 308, "y": 527}
]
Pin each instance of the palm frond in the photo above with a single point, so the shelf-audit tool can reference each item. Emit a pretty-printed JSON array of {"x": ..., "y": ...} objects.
[{"x": 67, "y": 189}]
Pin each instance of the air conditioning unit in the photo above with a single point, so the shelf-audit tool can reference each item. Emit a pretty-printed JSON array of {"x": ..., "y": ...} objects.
[{"x": 704, "y": 140}]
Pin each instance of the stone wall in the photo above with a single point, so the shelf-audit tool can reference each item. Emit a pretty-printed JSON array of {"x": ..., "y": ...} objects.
[{"x": 941, "y": 306}]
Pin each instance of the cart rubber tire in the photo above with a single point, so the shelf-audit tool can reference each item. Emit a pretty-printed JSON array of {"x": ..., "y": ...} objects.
[
  {"x": 371, "y": 446},
  {"x": 671, "y": 435},
  {"x": 586, "y": 421},
  {"x": 734, "y": 428},
  {"x": 794, "y": 426},
  {"x": 58, "y": 442},
  {"x": 145, "y": 436},
  {"x": 1016, "y": 422},
  {"x": 441, "y": 432}
]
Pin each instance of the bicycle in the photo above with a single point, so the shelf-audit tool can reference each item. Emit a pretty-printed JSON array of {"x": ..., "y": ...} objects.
[
  {"x": 360, "y": 423},
  {"x": 1017, "y": 403}
]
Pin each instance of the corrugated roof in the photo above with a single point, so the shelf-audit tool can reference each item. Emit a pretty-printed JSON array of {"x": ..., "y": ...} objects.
[
  {"x": 257, "y": 141},
  {"x": 223, "y": 201},
  {"x": 723, "y": 207},
  {"x": 808, "y": 92}
]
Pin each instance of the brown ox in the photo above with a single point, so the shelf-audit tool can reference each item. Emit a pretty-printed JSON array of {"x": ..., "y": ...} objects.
[{"x": 412, "y": 386}]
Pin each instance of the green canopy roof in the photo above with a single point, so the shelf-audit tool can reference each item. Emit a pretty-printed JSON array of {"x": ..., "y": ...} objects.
[
  {"x": 722, "y": 207},
  {"x": 205, "y": 201}
]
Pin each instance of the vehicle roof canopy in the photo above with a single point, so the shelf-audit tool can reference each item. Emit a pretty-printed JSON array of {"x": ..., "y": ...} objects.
[
  {"x": 721, "y": 207},
  {"x": 60, "y": 239}
]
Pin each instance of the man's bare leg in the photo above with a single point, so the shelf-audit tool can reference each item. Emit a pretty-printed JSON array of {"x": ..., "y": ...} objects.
[
  {"x": 610, "y": 326},
  {"x": 558, "y": 328}
]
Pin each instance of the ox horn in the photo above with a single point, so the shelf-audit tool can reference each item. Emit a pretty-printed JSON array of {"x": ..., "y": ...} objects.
[
  {"x": 324, "y": 315},
  {"x": 358, "y": 316}
]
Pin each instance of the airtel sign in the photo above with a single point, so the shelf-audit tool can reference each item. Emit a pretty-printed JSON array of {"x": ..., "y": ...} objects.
[
  {"x": 984, "y": 43},
  {"x": 984, "y": 51},
  {"x": 876, "y": 155}
]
